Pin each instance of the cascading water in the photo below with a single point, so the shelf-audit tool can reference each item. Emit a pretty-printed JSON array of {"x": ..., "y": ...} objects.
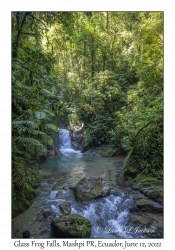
[
  {"x": 65, "y": 143},
  {"x": 64, "y": 139},
  {"x": 110, "y": 216}
]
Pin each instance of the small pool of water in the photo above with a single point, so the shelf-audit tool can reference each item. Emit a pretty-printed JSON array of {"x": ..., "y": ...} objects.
[{"x": 110, "y": 216}]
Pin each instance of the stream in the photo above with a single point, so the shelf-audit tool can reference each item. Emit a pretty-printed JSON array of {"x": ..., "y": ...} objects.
[{"x": 110, "y": 216}]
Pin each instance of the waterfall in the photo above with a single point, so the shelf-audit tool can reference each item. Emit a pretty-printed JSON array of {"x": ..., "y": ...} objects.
[
  {"x": 64, "y": 139},
  {"x": 64, "y": 144}
]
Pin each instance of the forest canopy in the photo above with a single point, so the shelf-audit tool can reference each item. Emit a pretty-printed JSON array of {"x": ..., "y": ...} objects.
[{"x": 102, "y": 69}]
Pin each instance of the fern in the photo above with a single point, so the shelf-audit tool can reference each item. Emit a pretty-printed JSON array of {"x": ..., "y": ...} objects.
[
  {"x": 47, "y": 140},
  {"x": 30, "y": 142},
  {"x": 30, "y": 131},
  {"x": 30, "y": 123},
  {"x": 48, "y": 93},
  {"x": 49, "y": 112},
  {"x": 18, "y": 175},
  {"x": 52, "y": 127}
]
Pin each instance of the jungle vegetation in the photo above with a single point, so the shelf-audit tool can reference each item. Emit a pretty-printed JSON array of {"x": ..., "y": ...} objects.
[{"x": 103, "y": 69}]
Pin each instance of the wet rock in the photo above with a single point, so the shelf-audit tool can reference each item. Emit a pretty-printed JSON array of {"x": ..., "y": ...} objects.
[
  {"x": 154, "y": 193},
  {"x": 133, "y": 207},
  {"x": 138, "y": 196},
  {"x": 57, "y": 186},
  {"x": 140, "y": 202},
  {"x": 71, "y": 226},
  {"x": 65, "y": 208},
  {"x": 116, "y": 192},
  {"x": 150, "y": 187},
  {"x": 88, "y": 189},
  {"x": 77, "y": 134},
  {"x": 104, "y": 150},
  {"x": 148, "y": 205},
  {"x": 45, "y": 215},
  {"x": 141, "y": 219},
  {"x": 56, "y": 152}
]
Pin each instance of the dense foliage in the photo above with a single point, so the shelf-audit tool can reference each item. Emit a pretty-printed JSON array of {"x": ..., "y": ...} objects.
[{"x": 103, "y": 69}]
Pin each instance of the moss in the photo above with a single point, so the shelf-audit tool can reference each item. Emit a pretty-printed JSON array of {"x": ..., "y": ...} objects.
[
  {"x": 109, "y": 152},
  {"x": 145, "y": 182},
  {"x": 131, "y": 172},
  {"x": 22, "y": 195},
  {"x": 154, "y": 194},
  {"x": 144, "y": 205},
  {"x": 150, "y": 186},
  {"x": 71, "y": 226}
]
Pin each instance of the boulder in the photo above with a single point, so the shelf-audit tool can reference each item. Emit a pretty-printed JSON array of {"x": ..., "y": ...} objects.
[
  {"x": 43, "y": 216},
  {"x": 142, "y": 203},
  {"x": 141, "y": 219},
  {"x": 148, "y": 205},
  {"x": 77, "y": 136},
  {"x": 88, "y": 189},
  {"x": 150, "y": 187},
  {"x": 65, "y": 208},
  {"x": 56, "y": 152},
  {"x": 154, "y": 193},
  {"x": 71, "y": 226}
]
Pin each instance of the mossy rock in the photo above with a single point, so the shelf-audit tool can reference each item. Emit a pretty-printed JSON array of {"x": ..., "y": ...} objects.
[
  {"x": 131, "y": 171},
  {"x": 57, "y": 152},
  {"x": 155, "y": 194},
  {"x": 109, "y": 152},
  {"x": 150, "y": 186},
  {"x": 88, "y": 189},
  {"x": 141, "y": 219},
  {"x": 71, "y": 226},
  {"x": 148, "y": 205},
  {"x": 30, "y": 194},
  {"x": 145, "y": 182},
  {"x": 57, "y": 186},
  {"x": 86, "y": 145},
  {"x": 65, "y": 208}
]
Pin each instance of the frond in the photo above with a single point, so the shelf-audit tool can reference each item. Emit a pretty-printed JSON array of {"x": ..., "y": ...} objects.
[
  {"x": 30, "y": 131},
  {"x": 48, "y": 93},
  {"x": 47, "y": 140},
  {"x": 18, "y": 175},
  {"x": 49, "y": 112},
  {"x": 52, "y": 127},
  {"x": 30, "y": 142},
  {"x": 30, "y": 123}
]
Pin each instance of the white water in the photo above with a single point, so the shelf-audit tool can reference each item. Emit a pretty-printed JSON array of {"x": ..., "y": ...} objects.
[
  {"x": 109, "y": 216},
  {"x": 65, "y": 143}
]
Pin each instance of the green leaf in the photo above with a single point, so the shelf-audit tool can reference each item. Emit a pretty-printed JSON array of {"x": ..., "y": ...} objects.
[
  {"x": 40, "y": 115},
  {"x": 30, "y": 142},
  {"x": 19, "y": 123},
  {"x": 49, "y": 112},
  {"x": 52, "y": 127}
]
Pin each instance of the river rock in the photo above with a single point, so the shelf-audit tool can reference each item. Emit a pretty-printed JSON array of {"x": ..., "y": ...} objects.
[
  {"x": 56, "y": 152},
  {"x": 45, "y": 215},
  {"x": 88, "y": 189},
  {"x": 148, "y": 205},
  {"x": 71, "y": 226},
  {"x": 154, "y": 193},
  {"x": 141, "y": 219},
  {"x": 150, "y": 187},
  {"x": 65, "y": 208},
  {"x": 77, "y": 134}
]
